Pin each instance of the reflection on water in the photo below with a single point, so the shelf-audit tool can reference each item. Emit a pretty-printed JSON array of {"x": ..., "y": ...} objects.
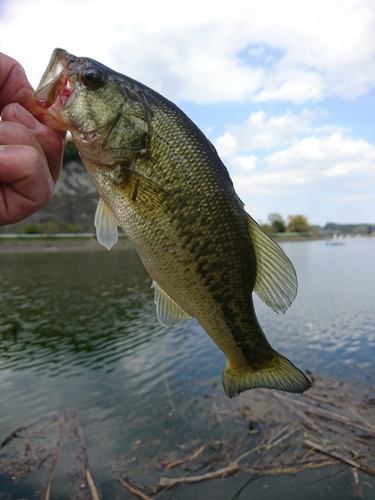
[
  {"x": 331, "y": 324},
  {"x": 79, "y": 330}
]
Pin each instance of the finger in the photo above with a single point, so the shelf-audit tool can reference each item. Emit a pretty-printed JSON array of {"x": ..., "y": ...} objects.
[
  {"x": 50, "y": 142},
  {"x": 13, "y": 132},
  {"x": 25, "y": 183},
  {"x": 14, "y": 85}
]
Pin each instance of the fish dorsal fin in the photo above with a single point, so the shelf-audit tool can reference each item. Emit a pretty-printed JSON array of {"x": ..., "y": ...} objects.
[
  {"x": 168, "y": 312},
  {"x": 276, "y": 280},
  {"x": 144, "y": 196},
  {"x": 106, "y": 225}
]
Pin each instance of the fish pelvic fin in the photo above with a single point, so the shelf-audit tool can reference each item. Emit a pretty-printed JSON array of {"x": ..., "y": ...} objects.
[
  {"x": 168, "y": 312},
  {"x": 106, "y": 225},
  {"x": 279, "y": 374}
]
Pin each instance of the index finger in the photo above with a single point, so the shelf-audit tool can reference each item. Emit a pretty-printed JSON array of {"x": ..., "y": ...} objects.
[{"x": 14, "y": 85}]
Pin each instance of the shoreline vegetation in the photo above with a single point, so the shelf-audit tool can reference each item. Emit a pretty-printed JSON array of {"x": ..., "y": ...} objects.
[
  {"x": 14, "y": 243},
  {"x": 65, "y": 243}
]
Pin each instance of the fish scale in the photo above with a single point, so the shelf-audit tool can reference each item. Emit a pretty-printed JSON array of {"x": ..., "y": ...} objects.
[{"x": 163, "y": 182}]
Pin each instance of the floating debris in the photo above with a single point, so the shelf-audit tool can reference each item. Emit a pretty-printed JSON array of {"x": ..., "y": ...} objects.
[{"x": 262, "y": 433}]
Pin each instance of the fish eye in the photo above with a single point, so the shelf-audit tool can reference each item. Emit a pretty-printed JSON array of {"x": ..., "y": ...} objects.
[{"x": 93, "y": 78}]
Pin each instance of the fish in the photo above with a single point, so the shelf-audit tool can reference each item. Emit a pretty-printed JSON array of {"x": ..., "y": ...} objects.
[{"x": 162, "y": 181}]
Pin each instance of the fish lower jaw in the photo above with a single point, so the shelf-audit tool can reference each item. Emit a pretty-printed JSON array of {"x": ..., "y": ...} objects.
[{"x": 45, "y": 117}]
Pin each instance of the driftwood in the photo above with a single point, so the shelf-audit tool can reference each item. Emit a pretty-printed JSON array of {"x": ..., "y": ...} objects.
[
  {"x": 78, "y": 433},
  {"x": 186, "y": 459},
  {"x": 262, "y": 432},
  {"x": 305, "y": 424},
  {"x": 34, "y": 458},
  {"x": 339, "y": 457},
  {"x": 225, "y": 471},
  {"x": 330, "y": 415},
  {"x": 54, "y": 456},
  {"x": 131, "y": 488}
]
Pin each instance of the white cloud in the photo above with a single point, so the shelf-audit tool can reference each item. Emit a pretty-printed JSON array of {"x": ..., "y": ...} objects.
[
  {"x": 245, "y": 163},
  {"x": 261, "y": 131},
  {"x": 194, "y": 51},
  {"x": 334, "y": 163},
  {"x": 214, "y": 52}
]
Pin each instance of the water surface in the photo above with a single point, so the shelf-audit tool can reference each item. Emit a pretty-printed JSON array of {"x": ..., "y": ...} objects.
[{"x": 78, "y": 332}]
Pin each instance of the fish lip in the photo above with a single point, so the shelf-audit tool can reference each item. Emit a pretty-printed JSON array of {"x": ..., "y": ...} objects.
[
  {"x": 57, "y": 66},
  {"x": 55, "y": 86}
]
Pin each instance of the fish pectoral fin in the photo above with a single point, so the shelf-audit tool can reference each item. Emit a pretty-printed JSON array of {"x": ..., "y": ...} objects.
[
  {"x": 144, "y": 196},
  {"x": 168, "y": 312},
  {"x": 106, "y": 225},
  {"x": 279, "y": 374},
  {"x": 276, "y": 280}
]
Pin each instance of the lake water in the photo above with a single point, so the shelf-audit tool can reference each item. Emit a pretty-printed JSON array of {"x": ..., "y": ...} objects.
[{"x": 78, "y": 333}]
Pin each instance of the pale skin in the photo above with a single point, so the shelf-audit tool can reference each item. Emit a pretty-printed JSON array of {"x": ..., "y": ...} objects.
[{"x": 30, "y": 152}]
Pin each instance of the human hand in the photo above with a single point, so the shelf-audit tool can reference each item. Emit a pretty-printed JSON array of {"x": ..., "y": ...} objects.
[{"x": 30, "y": 152}]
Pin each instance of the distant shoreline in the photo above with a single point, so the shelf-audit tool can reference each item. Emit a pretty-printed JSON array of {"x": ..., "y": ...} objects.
[
  {"x": 55, "y": 244},
  {"x": 46, "y": 243}
]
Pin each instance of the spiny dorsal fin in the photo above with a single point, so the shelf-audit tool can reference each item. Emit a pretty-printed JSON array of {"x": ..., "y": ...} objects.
[
  {"x": 106, "y": 225},
  {"x": 168, "y": 312},
  {"x": 145, "y": 197},
  {"x": 276, "y": 280}
]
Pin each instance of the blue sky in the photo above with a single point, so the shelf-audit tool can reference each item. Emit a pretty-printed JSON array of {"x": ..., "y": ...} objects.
[{"x": 285, "y": 90}]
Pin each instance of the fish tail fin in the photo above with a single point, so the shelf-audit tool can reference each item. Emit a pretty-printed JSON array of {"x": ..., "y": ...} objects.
[{"x": 278, "y": 374}]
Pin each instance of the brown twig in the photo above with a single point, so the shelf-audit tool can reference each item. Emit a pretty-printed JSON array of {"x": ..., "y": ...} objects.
[
  {"x": 131, "y": 489},
  {"x": 169, "y": 394},
  {"x": 225, "y": 471},
  {"x": 356, "y": 484},
  {"x": 273, "y": 441},
  {"x": 186, "y": 459},
  {"x": 305, "y": 418},
  {"x": 95, "y": 495},
  {"x": 338, "y": 456},
  {"x": 55, "y": 455},
  {"x": 11, "y": 436},
  {"x": 94, "y": 492},
  {"x": 290, "y": 470},
  {"x": 320, "y": 412},
  {"x": 31, "y": 446}
]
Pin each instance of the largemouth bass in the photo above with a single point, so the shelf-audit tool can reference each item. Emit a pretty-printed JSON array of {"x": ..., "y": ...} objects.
[{"x": 162, "y": 181}]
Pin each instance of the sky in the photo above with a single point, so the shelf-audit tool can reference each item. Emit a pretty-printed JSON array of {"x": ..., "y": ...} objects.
[{"x": 284, "y": 89}]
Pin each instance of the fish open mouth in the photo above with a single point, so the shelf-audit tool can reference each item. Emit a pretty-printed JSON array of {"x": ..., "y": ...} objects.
[{"x": 54, "y": 88}]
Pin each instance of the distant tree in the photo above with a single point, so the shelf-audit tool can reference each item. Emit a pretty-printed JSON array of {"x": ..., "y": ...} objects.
[
  {"x": 50, "y": 227},
  {"x": 32, "y": 229},
  {"x": 298, "y": 224},
  {"x": 72, "y": 228},
  {"x": 277, "y": 222},
  {"x": 267, "y": 228},
  {"x": 70, "y": 152}
]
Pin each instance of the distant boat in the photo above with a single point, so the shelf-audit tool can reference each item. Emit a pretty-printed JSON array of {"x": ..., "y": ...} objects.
[{"x": 333, "y": 244}]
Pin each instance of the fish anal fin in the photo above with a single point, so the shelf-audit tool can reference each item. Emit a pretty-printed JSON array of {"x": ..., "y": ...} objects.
[
  {"x": 276, "y": 280},
  {"x": 106, "y": 225},
  {"x": 148, "y": 199},
  {"x": 279, "y": 374},
  {"x": 168, "y": 312}
]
